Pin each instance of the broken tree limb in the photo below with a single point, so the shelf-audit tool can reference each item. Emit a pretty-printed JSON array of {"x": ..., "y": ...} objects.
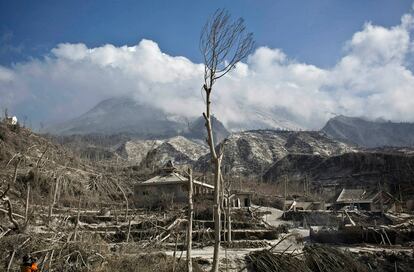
[
  {"x": 14, "y": 253},
  {"x": 10, "y": 212},
  {"x": 14, "y": 214},
  {"x": 26, "y": 214},
  {"x": 126, "y": 200},
  {"x": 129, "y": 230},
  {"x": 11, "y": 260}
]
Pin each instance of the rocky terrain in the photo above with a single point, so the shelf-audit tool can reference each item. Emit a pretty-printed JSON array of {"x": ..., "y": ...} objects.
[
  {"x": 136, "y": 150},
  {"x": 252, "y": 152},
  {"x": 154, "y": 154},
  {"x": 197, "y": 130},
  {"x": 370, "y": 134}
]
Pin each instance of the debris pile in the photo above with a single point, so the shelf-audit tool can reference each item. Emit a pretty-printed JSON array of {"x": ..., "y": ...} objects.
[{"x": 322, "y": 258}]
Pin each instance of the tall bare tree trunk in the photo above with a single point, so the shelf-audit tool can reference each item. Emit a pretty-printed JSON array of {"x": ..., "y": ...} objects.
[
  {"x": 190, "y": 221},
  {"x": 228, "y": 219},
  {"x": 223, "y": 44},
  {"x": 216, "y": 159}
]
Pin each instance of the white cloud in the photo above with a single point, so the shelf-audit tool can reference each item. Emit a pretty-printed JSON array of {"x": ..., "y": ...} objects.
[{"x": 372, "y": 79}]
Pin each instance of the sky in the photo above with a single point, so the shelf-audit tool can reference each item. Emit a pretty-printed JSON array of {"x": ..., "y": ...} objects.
[{"x": 313, "y": 59}]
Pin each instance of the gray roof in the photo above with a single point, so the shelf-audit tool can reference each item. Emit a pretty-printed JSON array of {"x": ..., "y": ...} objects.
[
  {"x": 354, "y": 196},
  {"x": 172, "y": 178}
]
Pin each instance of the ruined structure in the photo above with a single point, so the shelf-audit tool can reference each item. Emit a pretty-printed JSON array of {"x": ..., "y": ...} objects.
[
  {"x": 361, "y": 199},
  {"x": 172, "y": 184}
]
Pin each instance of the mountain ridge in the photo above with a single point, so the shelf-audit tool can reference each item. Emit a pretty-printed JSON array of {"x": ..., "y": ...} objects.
[
  {"x": 370, "y": 134},
  {"x": 124, "y": 115}
]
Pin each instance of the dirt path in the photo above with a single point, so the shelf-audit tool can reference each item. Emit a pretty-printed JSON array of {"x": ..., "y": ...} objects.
[{"x": 274, "y": 217}]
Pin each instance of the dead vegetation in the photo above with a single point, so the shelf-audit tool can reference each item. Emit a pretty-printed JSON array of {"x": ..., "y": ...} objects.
[
  {"x": 80, "y": 215},
  {"x": 322, "y": 258}
]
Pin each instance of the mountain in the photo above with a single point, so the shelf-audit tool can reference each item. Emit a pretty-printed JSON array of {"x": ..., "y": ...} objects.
[
  {"x": 370, "y": 134},
  {"x": 136, "y": 150},
  {"x": 179, "y": 150},
  {"x": 130, "y": 119},
  {"x": 121, "y": 115},
  {"x": 197, "y": 130},
  {"x": 252, "y": 152}
]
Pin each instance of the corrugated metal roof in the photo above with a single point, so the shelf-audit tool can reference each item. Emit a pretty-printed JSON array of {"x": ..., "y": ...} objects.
[
  {"x": 172, "y": 178},
  {"x": 354, "y": 195}
]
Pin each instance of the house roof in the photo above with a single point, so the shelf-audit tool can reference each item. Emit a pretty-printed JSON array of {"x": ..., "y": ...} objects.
[
  {"x": 354, "y": 196},
  {"x": 172, "y": 178}
]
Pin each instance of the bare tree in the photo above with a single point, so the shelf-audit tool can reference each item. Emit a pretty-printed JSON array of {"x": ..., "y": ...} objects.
[
  {"x": 190, "y": 220},
  {"x": 223, "y": 43}
]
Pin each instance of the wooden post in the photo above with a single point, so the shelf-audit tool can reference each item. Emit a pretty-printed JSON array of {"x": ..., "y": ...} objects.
[
  {"x": 55, "y": 193},
  {"x": 190, "y": 220}
]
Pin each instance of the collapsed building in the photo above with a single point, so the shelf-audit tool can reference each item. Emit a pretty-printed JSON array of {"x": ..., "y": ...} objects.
[{"x": 361, "y": 199}]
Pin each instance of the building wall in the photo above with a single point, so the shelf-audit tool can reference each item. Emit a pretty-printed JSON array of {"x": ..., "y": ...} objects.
[
  {"x": 176, "y": 191},
  {"x": 241, "y": 201}
]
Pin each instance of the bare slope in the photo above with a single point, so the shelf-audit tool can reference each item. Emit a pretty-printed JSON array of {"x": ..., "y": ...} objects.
[
  {"x": 356, "y": 169},
  {"x": 155, "y": 153},
  {"x": 370, "y": 134},
  {"x": 45, "y": 164},
  {"x": 252, "y": 152}
]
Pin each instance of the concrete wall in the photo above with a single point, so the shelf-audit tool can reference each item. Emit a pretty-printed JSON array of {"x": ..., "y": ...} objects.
[
  {"x": 241, "y": 201},
  {"x": 156, "y": 192}
]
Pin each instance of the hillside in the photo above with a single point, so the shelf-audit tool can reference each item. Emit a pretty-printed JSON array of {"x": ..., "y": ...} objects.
[
  {"x": 179, "y": 150},
  {"x": 370, "y": 134},
  {"x": 46, "y": 165},
  {"x": 197, "y": 130},
  {"x": 252, "y": 152},
  {"x": 394, "y": 170}
]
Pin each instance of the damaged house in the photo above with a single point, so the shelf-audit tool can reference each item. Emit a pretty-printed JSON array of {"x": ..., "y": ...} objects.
[
  {"x": 239, "y": 199},
  {"x": 361, "y": 199},
  {"x": 170, "y": 184}
]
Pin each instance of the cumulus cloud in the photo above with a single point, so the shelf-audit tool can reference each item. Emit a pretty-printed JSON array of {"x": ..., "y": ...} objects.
[{"x": 372, "y": 79}]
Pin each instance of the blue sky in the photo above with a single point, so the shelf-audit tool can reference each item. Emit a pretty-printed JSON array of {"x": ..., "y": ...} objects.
[
  {"x": 313, "y": 59},
  {"x": 309, "y": 31}
]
